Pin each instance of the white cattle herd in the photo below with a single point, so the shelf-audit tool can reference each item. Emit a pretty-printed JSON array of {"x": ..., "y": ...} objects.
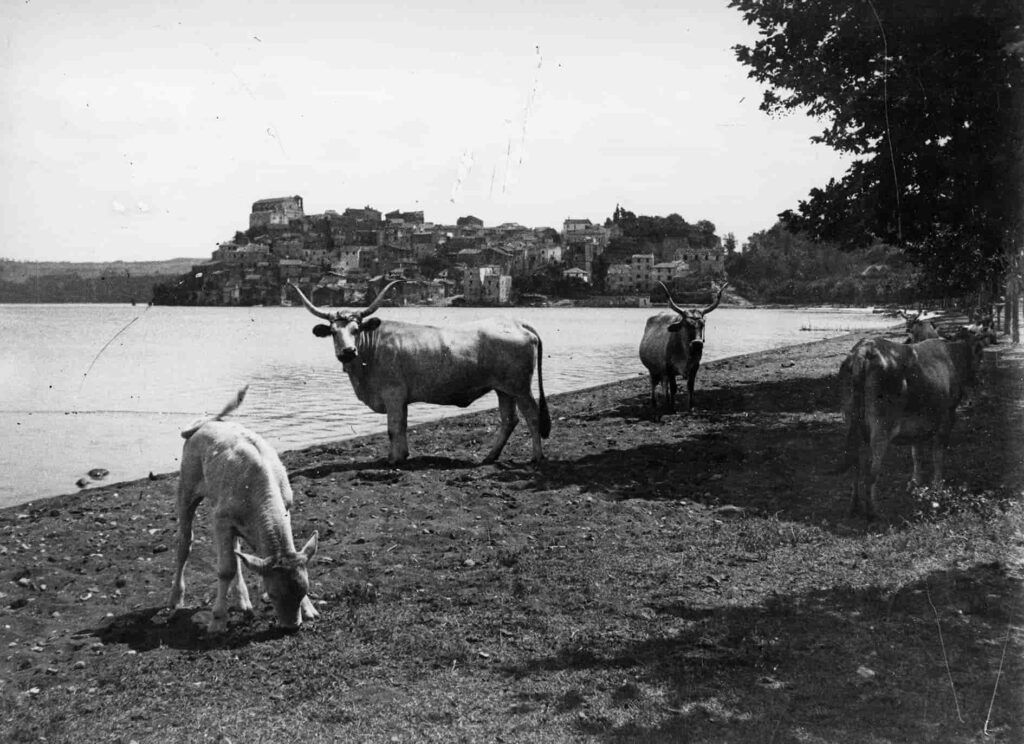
[{"x": 892, "y": 393}]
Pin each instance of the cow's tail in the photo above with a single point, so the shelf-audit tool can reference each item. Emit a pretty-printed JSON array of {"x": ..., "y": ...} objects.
[
  {"x": 227, "y": 410},
  {"x": 545, "y": 417},
  {"x": 852, "y": 380}
]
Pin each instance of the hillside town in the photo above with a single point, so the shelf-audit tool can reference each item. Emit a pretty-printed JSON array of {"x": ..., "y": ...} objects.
[{"x": 340, "y": 258}]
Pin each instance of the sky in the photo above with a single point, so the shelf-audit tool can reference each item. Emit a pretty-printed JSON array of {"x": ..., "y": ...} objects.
[{"x": 145, "y": 130}]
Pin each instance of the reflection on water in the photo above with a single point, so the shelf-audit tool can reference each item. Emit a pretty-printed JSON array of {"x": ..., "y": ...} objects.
[{"x": 65, "y": 407}]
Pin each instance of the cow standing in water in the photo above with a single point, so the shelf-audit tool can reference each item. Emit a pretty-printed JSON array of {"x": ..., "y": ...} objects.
[
  {"x": 673, "y": 344},
  {"x": 392, "y": 364}
]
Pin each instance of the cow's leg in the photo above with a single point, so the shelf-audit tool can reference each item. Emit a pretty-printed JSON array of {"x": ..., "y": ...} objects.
[
  {"x": 507, "y": 409},
  {"x": 879, "y": 444},
  {"x": 227, "y": 570},
  {"x": 531, "y": 412},
  {"x": 241, "y": 590},
  {"x": 398, "y": 423},
  {"x": 691, "y": 378},
  {"x": 654, "y": 392},
  {"x": 916, "y": 457},
  {"x": 670, "y": 394},
  {"x": 938, "y": 451},
  {"x": 939, "y": 444},
  {"x": 188, "y": 501},
  {"x": 309, "y": 612},
  {"x": 859, "y": 480}
]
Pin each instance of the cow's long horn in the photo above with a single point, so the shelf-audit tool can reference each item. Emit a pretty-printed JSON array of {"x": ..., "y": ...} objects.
[
  {"x": 718, "y": 299},
  {"x": 672, "y": 303},
  {"x": 310, "y": 306},
  {"x": 378, "y": 299}
]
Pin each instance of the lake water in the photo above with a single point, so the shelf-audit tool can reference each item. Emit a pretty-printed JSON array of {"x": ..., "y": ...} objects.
[{"x": 110, "y": 386}]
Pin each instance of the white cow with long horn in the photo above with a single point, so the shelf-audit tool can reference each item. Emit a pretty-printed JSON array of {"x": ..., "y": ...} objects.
[
  {"x": 673, "y": 344},
  {"x": 392, "y": 364}
]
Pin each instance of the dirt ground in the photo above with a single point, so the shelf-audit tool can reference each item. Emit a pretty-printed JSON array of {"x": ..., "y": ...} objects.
[{"x": 694, "y": 579}]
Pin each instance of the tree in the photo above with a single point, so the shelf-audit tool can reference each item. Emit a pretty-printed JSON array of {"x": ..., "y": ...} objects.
[
  {"x": 550, "y": 233},
  {"x": 431, "y": 266},
  {"x": 926, "y": 95}
]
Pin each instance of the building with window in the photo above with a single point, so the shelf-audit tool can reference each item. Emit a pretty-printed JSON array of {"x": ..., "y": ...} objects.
[{"x": 275, "y": 212}]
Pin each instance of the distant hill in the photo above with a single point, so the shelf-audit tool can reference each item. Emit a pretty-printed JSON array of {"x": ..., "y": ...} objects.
[
  {"x": 22, "y": 271},
  {"x": 67, "y": 281}
]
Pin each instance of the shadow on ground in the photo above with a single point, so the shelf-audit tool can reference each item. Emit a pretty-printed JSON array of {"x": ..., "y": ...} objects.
[
  {"x": 380, "y": 469},
  {"x": 840, "y": 664},
  {"x": 778, "y": 457},
  {"x": 153, "y": 627}
]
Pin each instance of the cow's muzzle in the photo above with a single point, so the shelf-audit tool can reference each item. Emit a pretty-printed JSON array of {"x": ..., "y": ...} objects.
[{"x": 347, "y": 356}]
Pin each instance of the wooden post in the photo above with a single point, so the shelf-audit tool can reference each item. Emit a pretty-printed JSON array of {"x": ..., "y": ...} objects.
[
  {"x": 1011, "y": 304},
  {"x": 1015, "y": 312}
]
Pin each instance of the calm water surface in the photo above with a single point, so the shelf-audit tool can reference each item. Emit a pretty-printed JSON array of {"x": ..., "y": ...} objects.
[{"x": 110, "y": 386}]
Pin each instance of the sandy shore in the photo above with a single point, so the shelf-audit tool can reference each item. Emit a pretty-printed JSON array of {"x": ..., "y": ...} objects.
[{"x": 694, "y": 577}]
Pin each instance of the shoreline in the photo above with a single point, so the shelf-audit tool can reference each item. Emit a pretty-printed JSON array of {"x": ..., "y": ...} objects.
[
  {"x": 297, "y": 451},
  {"x": 704, "y": 563},
  {"x": 132, "y": 448}
]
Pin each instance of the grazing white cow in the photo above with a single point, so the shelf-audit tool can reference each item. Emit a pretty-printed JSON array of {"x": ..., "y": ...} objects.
[
  {"x": 247, "y": 488},
  {"x": 392, "y": 364}
]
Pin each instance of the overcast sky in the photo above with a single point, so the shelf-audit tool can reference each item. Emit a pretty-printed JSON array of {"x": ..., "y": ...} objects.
[{"x": 145, "y": 130}]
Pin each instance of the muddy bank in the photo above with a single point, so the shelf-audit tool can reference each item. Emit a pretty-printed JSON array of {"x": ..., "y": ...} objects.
[{"x": 696, "y": 576}]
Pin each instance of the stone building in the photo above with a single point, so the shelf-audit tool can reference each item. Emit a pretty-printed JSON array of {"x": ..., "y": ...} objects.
[
  {"x": 668, "y": 271},
  {"x": 275, "y": 212},
  {"x": 642, "y": 268},
  {"x": 486, "y": 284},
  {"x": 470, "y": 222},
  {"x": 398, "y": 217},
  {"x": 619, "y": 278},
  {"x": 578, "y": 232}
]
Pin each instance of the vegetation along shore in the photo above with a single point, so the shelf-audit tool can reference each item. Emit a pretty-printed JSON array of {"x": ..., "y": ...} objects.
[{"x": 696, "y": 578}]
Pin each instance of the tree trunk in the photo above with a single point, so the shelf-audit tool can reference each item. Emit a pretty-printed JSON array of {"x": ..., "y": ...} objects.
[{"x": 1015, "y": 322}]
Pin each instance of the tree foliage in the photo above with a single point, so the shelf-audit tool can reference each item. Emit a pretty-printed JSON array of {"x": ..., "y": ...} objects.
[
  {"x": 549, "y": 280},
  {"x": 654, "y": 229},
  {"x": 780, "y": 266},
  {"x": 926, "y": 97}
]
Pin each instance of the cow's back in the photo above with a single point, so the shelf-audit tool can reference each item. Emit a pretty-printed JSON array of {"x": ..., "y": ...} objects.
[
  {"x": 943, "y": 372},
  {"x": 908, "y": 390},
  {"x": 872, "y": 381},
  {"x": 452, "y": 365},
  {"x": 655, "y": 344},
  {"x": 228, "y": 454}
]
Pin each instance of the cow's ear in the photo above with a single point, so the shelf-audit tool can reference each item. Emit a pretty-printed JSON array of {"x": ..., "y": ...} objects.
[
  {"x": 254, "y": 563},
  {"x": 370, "y": 324},
  {"x": 321, "y": 330},
  {"x": 674, "y": 327},
  {"x": 309, "y": 549}
]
